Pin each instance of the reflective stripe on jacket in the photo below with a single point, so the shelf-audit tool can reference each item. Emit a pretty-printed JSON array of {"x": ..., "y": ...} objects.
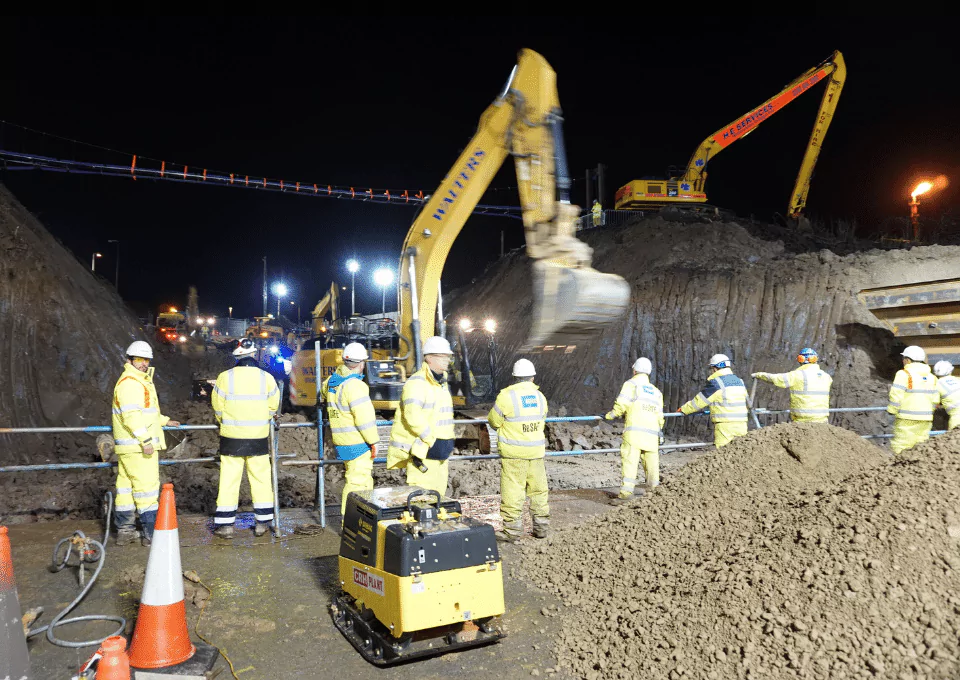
[
  {"x": 949, "y": 388},
  {"x": 425, "y": 414},
  {"x": 137, "y": 420},
  {"x": 726, "y": 396},
  {"x": 353, "y": 421},
  {"x": 809, "y": 387},
  {"x": 914, "y": 393},
  {"x": 643, "y": 405},
  {"x": 518, "y": 417},
  {"x": 244, "y": 399}
]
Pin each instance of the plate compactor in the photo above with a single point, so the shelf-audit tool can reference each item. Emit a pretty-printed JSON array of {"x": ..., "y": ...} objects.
[{"x": 417, "y": 578}]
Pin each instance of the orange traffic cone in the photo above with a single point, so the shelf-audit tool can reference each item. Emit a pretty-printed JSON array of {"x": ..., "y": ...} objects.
[
  {"x": 14, "y": 657},
  {"x": 160, "y": 638}
]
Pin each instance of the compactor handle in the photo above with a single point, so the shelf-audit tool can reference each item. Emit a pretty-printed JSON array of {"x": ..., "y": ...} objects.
[{"x": 422, "y": 492}]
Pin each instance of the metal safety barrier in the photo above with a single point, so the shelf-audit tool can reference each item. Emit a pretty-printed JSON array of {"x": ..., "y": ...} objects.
[{"x": 321, "y": 462}]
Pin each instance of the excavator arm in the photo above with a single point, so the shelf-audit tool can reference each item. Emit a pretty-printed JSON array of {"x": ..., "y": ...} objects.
[
  {"x": 833, "y": 69},
  {"x": 328, "y": 303},
  {"x": 572, "y": 301},
  {"x": 689, "y": 187}
]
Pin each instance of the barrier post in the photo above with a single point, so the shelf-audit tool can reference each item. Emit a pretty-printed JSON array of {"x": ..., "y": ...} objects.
[
  {"x": 321, "y": 504},
  {"x": 753, "y": 393},
  {"x": 274, "y": 462}
]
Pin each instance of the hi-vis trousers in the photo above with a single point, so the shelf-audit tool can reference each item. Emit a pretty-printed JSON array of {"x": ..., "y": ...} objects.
[
  {"x": 261, "y": 487},
  {"x": 520, "y": 478},
  {"x": 630, "y": 457},
  {"x": 138, "y": 490}
]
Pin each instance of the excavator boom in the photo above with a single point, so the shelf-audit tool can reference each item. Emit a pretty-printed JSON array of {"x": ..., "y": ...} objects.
[
  {"x": 690, "y": 186},
  {"x": 572, "y": 301}
]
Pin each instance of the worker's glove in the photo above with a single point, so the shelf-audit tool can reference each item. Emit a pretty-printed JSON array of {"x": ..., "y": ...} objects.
[
  {"x": 148, "y": 450},
  {"x": 419, "y": 464},
  {"x": 680, "y": 411},
  {"x": 759, "y": 374},
  {"x": 373, "y": 450},
  {"x": 661, "y": 437},
  {"x": 610, "y": 416},
  {"x": 173, "y": 423}
]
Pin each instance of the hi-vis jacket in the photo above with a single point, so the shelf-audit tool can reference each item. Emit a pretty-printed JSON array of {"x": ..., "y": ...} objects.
[
  {"x": 353, "y": 422},
  {"x": 425, "y": 415},
  {"x": 809, "y": 389},
  {"x": 518, "y": 417},
  {"x": 643, "y": 405},
  {"x": 136, "y": 412},
  {"x": 726, "y": 396},
  {"x": 949, "y": 387},
  {"x": 244, "y": 399},
  {"x": 914, "y": 393}
]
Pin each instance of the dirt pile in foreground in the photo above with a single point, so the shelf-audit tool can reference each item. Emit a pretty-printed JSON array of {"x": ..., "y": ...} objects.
[{"x": 797, "y": 551}]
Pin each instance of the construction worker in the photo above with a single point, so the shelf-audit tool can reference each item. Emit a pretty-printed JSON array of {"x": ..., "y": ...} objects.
[
  {"x": 913, "y": 397},
  {"x": 137, "y": 438},
  {"x": 726, "y": 397},
  {"x": 949, "y": 387},
  {"x": 642, "y": 403},
  {"x": 597, "y": 211},
  {"x": 421, "y": 439},
  {"x": 353, "y": 422},
  {"x": 518, "y": 417},
  {"x": 244, "y": 400},
  {"x": 809, "y": 388}
]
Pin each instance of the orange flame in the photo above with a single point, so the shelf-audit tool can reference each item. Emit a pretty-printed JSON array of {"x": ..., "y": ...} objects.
[
  {"x": 922, "y": 188},
  {"x": 937, "y": 184}
]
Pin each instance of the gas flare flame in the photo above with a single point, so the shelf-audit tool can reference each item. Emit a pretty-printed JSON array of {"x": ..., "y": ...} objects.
[
  {"x": 922, "y": 188},
  {"x": 937, "y": 184}
]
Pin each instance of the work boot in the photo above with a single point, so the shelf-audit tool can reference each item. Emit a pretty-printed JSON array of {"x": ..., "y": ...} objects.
[
  {"x": 126, "y": 536},
  {"x": 623, "y": 499},
  {"x": 146, "y": 541},
  {"x": 504, "y": 537},
  {"x": 224, "y": 531},
  {"x": 260, "y": 528},
  {"x": 540, "y": 532}
]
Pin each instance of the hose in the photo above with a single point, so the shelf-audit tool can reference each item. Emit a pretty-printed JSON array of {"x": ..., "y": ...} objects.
[{"x": 98, "y": 554}]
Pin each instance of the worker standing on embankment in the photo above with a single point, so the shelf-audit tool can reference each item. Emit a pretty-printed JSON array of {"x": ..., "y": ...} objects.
[
  {"x": 353, "y": 421},
  {"x": 138, "y": 439},
  {"x": 642, "y": 403},
  {"x": 726, "y": 397},
  {"x": 244, "y": 400},
  {"x": 913, "y": 397},
  {"x": 421, "y": 439},
  {"x": 949, "y": 387},
  {"x": 519, "y": 417},
  {"x": 809, "y": 387}
]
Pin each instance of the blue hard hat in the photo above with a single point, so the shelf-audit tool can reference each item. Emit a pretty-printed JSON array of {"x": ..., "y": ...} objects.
[{"x": 808, "y": 352}]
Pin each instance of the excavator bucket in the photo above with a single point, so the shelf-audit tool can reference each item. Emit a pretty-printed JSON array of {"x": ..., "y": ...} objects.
[{"x": 573, "y": 305}]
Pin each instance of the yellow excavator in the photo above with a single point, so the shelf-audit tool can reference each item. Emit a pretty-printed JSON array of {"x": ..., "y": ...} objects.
[
  {"x": 687, "y": 189},
  {"x": 417, "y": 577}
]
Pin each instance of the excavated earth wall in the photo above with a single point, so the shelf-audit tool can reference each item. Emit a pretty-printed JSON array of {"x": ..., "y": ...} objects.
[{"x": 700, "y": 289}]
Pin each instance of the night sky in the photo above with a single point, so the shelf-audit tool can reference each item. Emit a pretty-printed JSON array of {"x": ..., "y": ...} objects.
[{"x": 390, "y": 103}]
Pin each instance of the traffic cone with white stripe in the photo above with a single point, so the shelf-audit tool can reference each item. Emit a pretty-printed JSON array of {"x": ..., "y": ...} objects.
[
  {"x": 14, "y": 657},
  {"x": 161, "y": 638}
]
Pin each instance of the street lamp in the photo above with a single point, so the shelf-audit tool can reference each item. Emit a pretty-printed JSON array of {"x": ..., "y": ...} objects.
[
  {"x": 383, "y": 278},
  {"x": 280, "y": 290},
  {"x": 298, "y": 310},
  {"x": 353, "y": 267},
  {"x": 116, "y": 275},
  {"x": 93, "y": 261},
  {"x": 230, "y": 311}
]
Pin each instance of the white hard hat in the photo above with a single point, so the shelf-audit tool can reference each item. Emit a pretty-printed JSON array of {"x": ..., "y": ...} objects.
[
  {"x": 355, "y": 352},
  {"x": 942, "y": 368},
  {"x": 245, "y": 348},
  {"x": 436, "y": 345},
  {"x": 140, "y": 349},
  {"x": 642, "y": 365},
  {"x": 524, "y": 369},
  {"x": 914, "y": 353},
  {"x": 719, "y": 360}
]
